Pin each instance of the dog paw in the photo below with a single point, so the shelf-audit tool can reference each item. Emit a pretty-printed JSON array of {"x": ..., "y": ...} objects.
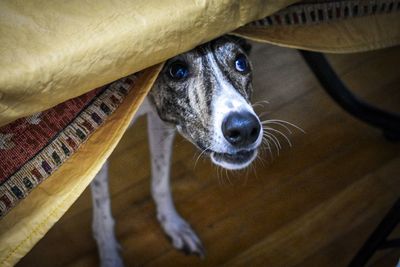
[
  {"x": 182, "y": 235},
  {"x": 110, "y": 255},
  {"x": 112, "y": 262}
]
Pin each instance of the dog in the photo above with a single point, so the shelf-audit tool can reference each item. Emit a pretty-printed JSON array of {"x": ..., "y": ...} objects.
[{"x": 203, "y": 94}]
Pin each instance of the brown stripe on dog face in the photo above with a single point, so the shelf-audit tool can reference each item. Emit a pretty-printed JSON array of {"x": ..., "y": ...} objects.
[
  {"x": 226, "y": 53},
  {"x": 184, "y": 91}
]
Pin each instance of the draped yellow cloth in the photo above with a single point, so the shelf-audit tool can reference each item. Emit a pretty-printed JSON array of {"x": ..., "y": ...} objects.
[
  {"x": 52, "y": 51},
  {"x": 29, "y": 221},
  {"x": 342, "y": 36}
]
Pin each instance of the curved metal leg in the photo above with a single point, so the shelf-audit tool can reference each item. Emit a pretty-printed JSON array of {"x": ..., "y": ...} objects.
[
  {"x": 388, "y": 122},
  {"x": 378, "y": 239}
]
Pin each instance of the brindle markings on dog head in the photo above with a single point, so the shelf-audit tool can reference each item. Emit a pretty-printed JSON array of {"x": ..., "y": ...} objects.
[{"x": 210, "y": 90}]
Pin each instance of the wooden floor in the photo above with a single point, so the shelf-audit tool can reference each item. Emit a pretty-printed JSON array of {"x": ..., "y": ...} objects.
[{"x": 313, "y": 205}]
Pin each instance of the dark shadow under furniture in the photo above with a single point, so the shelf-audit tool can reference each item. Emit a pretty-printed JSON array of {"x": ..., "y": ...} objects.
[{"x": 388, "y": 122}]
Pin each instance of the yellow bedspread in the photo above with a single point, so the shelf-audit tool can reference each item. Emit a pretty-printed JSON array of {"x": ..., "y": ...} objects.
[{"x": 52, "y": 51}]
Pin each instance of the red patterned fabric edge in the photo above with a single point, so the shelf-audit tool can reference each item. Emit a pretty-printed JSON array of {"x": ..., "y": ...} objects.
[{"x": 62, "y": 145}]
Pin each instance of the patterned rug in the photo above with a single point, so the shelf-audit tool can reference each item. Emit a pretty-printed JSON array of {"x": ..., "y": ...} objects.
[{"x": 32, "y": 148}]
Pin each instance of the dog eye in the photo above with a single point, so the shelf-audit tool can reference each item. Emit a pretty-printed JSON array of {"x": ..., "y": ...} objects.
[
  {"x": 178, "y": 70},
  {"x": 241, "y": 63}
]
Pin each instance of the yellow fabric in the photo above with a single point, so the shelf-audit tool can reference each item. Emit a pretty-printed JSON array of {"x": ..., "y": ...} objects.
[
  {"x": 51, "y": 51},
  {"x": 341, "y": 36},
  {"x": 34, "y": 216}
]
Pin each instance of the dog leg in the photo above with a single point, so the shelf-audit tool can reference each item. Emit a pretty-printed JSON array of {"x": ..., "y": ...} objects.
[
  {"x": 161, "y": 139},
  {"x": 144, "y": 108},
  {"x": 103, "y": 222}
]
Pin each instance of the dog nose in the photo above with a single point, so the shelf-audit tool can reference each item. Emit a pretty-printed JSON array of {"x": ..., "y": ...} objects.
[{"x": 241, "y": 128}]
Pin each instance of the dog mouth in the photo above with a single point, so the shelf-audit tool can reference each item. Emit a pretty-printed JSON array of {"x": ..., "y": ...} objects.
[{"x": 234, "y": 161}]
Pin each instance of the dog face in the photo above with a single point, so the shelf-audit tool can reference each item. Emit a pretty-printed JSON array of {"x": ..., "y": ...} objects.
[{"x": 206, "y": 94}]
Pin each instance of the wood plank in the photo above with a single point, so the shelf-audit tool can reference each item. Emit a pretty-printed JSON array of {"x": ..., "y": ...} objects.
[
  {"x": 312, "y": 231},
  {"x": 311, "y": 206}
]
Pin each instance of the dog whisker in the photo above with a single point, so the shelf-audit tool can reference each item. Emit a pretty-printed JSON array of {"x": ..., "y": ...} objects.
[
  {"x": 249, "y": 169},
  {"x": 265, "y": 141},
  {"x": 261, "y": 103},
  {"x": 221, "y": 175},
  {"x": 284, "y": 122},
  {"x": 202, "y": 153},
  {"x": 274, "y": 143},
  {"x": 265, "y": 156},
  {"x": 259, "y": 159},
  {"x": 279, "y": 132},
  {"x": 227, "y": 177},
  {"x": 254, "y": 169},
  {"x": 268, "y": 143},
  {"x": 257, "y": 105},
  {"x": 278, "y": 123},
  {"x": 274, "y": 139},
  {"x": 246, "y": 178},
  {"x": 262, "y": 114},
  {"x": 218, "y": 176}
]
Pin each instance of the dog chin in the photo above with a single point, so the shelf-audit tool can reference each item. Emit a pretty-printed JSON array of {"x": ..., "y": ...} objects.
[{"x": 236, "y": 161}]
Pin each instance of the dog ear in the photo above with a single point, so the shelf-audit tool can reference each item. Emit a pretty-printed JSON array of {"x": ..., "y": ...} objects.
[{"x": 246, "y": 46}]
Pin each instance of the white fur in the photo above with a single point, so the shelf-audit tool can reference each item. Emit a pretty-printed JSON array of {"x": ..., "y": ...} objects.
[
  {"x": 231, "y": 166},
  {"x": 183, "y": 237},
  {"x": 161, "y": 135},
  {"x": 161, "y": 139},
  {"x": 103, "y": 222},
  {"x": 225, "y": 101}
]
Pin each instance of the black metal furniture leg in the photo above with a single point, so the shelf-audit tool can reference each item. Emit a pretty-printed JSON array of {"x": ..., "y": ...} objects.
[
  {"x": 378, "y": 239},
  {"x": 388, "y": 122}
]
